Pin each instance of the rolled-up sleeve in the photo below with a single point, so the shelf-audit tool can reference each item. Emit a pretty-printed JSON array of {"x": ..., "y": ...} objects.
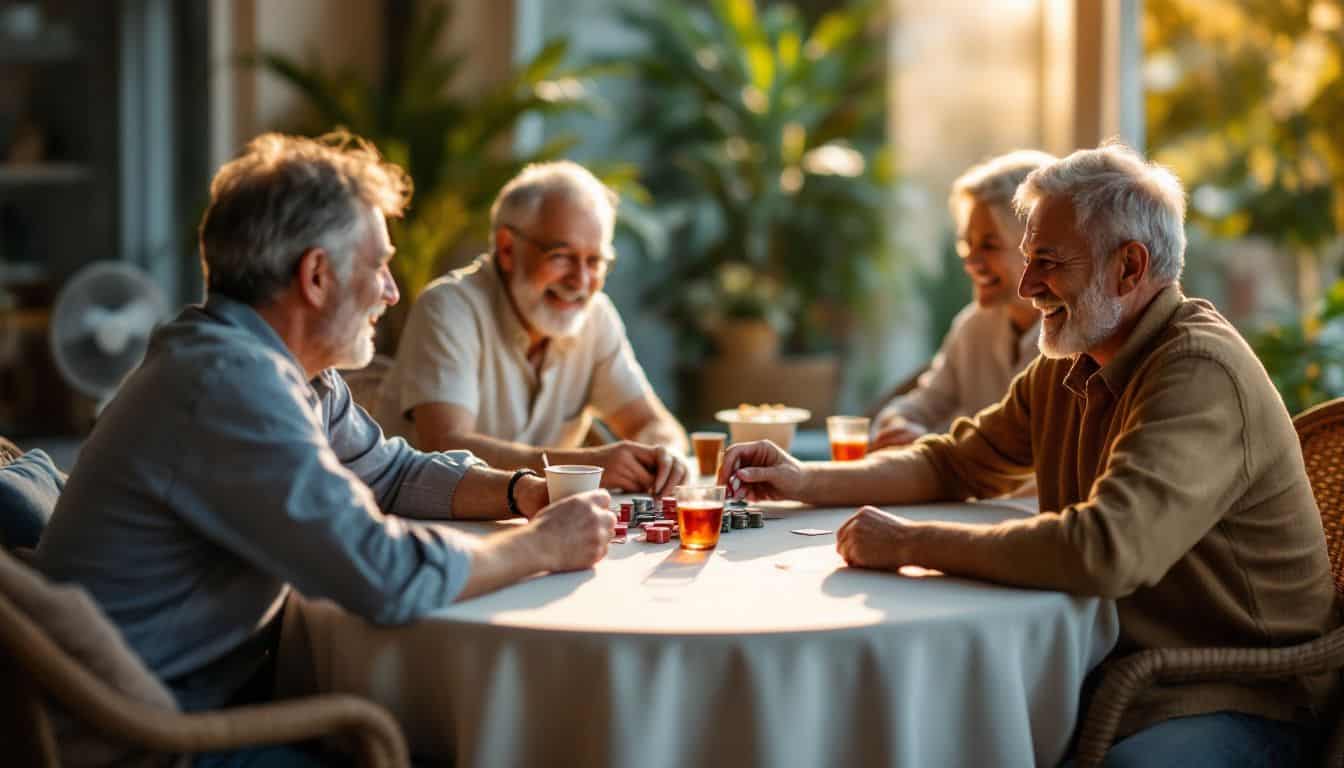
[{"x": 263, "y": 482}]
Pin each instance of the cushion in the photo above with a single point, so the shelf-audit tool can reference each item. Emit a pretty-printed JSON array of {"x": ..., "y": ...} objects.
[
  {"x": 75, "y": 623},
  {"x": 29, "y": 487}
]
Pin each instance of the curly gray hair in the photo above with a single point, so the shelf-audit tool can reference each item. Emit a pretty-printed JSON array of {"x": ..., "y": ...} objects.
[{"x": 286, "y": 194}]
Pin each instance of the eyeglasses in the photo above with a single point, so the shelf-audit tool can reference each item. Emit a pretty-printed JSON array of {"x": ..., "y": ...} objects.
[{"x": 566, "y": 257}]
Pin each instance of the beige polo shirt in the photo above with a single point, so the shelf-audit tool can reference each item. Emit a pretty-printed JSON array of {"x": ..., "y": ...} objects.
[
  {"x": 463, "y": 344},
  {"x": 1170, "y": 479}
]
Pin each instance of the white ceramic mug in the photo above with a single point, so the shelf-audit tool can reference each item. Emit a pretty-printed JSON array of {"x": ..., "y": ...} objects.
[{"x": 568, "y": 479}]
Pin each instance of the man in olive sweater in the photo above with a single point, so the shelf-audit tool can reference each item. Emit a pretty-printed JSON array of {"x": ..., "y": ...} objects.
[{"x": 1169, "y": 472}]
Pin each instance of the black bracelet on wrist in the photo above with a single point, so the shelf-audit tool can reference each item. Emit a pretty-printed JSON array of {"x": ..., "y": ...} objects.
[{"x": 508, "y": 495}]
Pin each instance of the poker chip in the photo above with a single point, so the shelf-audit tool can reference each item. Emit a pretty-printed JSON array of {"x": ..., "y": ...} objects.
[
  {"x": 622, "y": 529},
  {"x": 755, "y": 519},
  {"x": 627, "y": 511},
  {"x": 739, "y": 520}
]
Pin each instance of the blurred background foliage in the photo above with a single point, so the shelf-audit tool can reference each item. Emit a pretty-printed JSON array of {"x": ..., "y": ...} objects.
[
  {"x": 1244, "y": 101},
  {"x": 768, "y": 163}
]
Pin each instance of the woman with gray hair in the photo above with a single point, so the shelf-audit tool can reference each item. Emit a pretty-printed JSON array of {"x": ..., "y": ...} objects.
[{"x": 994, "y": 337}]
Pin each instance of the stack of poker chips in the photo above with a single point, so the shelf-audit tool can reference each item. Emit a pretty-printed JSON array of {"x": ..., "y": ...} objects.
[{"x": 670, "y": 507}]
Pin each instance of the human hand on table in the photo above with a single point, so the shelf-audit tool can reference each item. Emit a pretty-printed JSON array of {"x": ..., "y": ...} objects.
[
  {"x": 575, "y": 531},
  {"x": 761, "y": 471},
  {"x": 637, "y": 467},
  {"x": 895, "y": 431},
  {"x": 871, "y": 538}
]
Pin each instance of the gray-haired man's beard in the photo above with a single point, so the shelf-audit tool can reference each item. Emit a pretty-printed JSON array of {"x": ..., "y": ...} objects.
[{"x": 1090, "y": 321}]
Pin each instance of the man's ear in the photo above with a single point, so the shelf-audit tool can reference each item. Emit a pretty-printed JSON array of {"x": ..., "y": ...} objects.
[
  {"x": 504, "y": 254},
  {"x": 1133, "y": 260},
  {"x": 316, "y": 278}
]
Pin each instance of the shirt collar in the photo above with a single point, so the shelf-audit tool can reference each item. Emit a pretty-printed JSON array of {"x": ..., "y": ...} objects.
[
  {"x": 1115, "y": 374},
  {"x": 510, "y": 326},
  {"x": 243, "y": 316}
]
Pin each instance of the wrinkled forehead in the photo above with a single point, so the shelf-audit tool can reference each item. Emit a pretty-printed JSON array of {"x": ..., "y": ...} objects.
[{"x": 1052, "y": 218}]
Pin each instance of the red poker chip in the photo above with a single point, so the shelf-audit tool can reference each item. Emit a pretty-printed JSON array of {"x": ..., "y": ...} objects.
[{"x": 622, "y": 529}]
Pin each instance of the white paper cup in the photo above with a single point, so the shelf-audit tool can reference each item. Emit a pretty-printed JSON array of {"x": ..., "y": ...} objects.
[{"x": 568, "y": 479}]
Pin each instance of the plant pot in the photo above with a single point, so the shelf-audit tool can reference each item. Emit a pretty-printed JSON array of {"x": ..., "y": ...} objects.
[{"x": 747, "y": 341}]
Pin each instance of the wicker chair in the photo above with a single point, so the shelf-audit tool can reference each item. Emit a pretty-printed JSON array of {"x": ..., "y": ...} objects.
[
  {"x": 36, "y": 669},
  {"x": 1321, "y": 432}
]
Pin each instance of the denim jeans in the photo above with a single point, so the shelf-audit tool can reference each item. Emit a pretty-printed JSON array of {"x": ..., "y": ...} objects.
[{"x": 1215, "y": 740}]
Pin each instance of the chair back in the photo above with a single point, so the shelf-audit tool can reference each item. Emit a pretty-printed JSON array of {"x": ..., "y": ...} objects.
[{"x": 1321, "y": 432}]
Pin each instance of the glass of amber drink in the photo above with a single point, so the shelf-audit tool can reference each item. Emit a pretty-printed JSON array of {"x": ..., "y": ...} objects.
[
  {"x": 708, "y": 448},
  {"x": 849, "y": 437},
  {"x": 699, "y": 515}
]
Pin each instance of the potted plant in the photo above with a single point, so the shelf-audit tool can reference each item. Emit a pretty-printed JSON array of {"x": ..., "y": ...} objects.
[
  {"x": 744, "y": 313},
  {"x": 767, "y": 162}
]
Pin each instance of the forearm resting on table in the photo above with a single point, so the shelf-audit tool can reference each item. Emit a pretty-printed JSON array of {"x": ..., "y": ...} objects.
[
  {"x": 889, "y": 477},
  {"x": 503, "y": 559}
]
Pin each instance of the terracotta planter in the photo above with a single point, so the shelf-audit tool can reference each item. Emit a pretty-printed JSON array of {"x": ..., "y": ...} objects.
[{"x": 747, "y": 341}]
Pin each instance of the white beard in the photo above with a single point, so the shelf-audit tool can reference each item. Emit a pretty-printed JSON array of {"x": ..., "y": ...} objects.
[
  {"x": 547, "y": 320},
  {"x": 1090, "y": 321}
]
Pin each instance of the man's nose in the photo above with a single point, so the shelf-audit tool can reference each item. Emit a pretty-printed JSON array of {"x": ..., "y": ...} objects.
[{"x": 1030, "y": 284}]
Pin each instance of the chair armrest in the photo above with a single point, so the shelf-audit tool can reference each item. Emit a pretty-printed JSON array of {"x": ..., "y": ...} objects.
[
  {"x": 93, "y": 703},
  {"x": 378, "y": 737},
  {"x": 1127, "y": 677}
]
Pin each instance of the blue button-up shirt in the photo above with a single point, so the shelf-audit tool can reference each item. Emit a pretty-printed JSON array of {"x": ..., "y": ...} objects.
[{"x": 220, "y": 475}]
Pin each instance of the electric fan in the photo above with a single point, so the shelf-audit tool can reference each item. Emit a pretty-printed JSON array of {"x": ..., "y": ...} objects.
[{"x": 101, "y": 324}]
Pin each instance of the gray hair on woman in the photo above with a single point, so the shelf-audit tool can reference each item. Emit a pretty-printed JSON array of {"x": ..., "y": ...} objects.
[
  {"x": 285, "y": 195},
  {"x": 993, "y": 183},
  {"x": 1118, "y": 196}
]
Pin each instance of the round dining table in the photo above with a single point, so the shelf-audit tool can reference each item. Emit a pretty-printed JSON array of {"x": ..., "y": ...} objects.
[{"x": 766, "y": 651}]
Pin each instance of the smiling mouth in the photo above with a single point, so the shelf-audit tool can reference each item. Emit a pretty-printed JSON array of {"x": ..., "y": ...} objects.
[{"x": 565, "y": 302}]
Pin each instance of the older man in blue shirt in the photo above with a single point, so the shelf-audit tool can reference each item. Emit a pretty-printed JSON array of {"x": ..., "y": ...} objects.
[{"x": 234, "y": 464}]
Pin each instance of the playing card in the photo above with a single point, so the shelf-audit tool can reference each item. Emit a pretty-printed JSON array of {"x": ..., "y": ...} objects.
[{"x": 811, "y": 531}]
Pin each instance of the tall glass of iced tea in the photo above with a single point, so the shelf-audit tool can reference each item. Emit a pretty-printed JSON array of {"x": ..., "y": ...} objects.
[
  {"x": 849, "y": 437},
  {"x": 708, "y": 448},
  {"x": 699, "y": 515}
]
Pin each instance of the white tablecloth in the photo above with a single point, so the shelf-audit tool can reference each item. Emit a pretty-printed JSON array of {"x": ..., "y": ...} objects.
[{"x": 767, "y": 651}]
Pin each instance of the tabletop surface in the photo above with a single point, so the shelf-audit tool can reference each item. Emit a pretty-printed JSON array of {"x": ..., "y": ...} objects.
[{"x": 767, "y": 580}]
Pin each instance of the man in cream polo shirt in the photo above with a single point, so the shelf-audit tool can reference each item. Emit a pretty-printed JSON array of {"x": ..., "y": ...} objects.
[{"x": 518, "y": 352}]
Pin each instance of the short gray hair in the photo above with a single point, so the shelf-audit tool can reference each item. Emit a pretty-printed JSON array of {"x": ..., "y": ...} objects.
[
  {"x": 1117, "y": 197},
  {"x": 993, "y": 183},
  {"x": 522, "y": 196},
  {"x": 284, "y": 195}
]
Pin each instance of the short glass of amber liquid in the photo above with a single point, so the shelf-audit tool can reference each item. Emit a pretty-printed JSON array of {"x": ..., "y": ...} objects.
[
  {"x": 699, "y": 515},
  {"x": 708, "y": 449},
  {"x": 849, "y": 437}
]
